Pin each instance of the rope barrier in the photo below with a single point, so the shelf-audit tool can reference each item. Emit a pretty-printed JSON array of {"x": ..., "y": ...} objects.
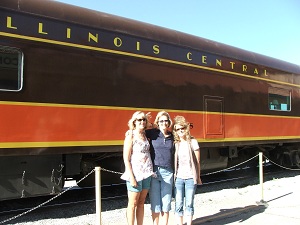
[
  {"x": 44, "y": 203},
  {"x": 286, "y": 168},
  {"x": 110, "y": 171},
  {"x": 119, "y": 173},
  {"x": 223, "y": 170}
]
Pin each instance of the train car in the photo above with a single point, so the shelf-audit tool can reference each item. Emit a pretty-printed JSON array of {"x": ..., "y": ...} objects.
[{"x": 70, "y": 79}]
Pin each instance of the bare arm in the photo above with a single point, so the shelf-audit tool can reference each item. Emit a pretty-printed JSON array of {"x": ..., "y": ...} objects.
[
  {"x": 197, "y": 153},
  {"x": 127, "y": 150}
]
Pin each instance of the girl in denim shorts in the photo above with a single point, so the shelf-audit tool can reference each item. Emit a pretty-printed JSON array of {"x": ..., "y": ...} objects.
[{"x": 138, "y": 167}]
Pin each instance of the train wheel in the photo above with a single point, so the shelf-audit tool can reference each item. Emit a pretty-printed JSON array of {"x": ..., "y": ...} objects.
[
  {"x": 114, "y": 164},
  {"x": 86, "y": 167},
  {"x": 87, "y": 182},
  {"x": 296, "y": 158},
  {"x": 284, "y": 159}
]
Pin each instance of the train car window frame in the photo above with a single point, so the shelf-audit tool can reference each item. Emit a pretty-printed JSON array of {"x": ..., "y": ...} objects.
[
  {"x": 11, "y": 69},
  {"x": 279, "y": 99}
]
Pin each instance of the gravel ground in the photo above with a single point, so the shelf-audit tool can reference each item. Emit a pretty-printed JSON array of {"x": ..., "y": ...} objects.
[{"x": 232, "y": 202}]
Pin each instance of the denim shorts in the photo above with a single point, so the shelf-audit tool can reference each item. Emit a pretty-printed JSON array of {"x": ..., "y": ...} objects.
[
  {"x": 143, "y": 184},
  {"x": 161, "y": 190}
]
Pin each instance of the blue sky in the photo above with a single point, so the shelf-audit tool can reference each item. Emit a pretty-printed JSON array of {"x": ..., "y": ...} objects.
[{"x": 268, "y": 27}]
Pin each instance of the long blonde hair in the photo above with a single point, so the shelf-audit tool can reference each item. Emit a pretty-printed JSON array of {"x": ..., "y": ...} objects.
[
  {"x": 181, "y": 121},
  {"x": 131, "y": 122}
]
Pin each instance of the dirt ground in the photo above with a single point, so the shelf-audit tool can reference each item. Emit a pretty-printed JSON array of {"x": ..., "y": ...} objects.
[
  {"x": 231, "y": 202},
  {"x": 245, "y": 202}
]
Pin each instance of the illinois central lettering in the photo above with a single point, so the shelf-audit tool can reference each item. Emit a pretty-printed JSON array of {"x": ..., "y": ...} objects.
[
  {"x": 118, "y": 42},
  {"x": 108, "y": 41},
  {"x": 9, "y": 23},
  {"x": 218, "y": 63}
]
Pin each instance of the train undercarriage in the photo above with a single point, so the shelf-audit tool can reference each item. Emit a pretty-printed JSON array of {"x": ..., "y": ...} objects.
[
  {"x": 212, "y": 159},
  {"x": 29, "y": 176}
]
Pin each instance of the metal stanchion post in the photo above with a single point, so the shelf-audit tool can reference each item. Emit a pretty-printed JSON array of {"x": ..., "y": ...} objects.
[
  {"x": 261, "y": 176},
  {"x": 98, "y": 194},
  {"x": 261, "y": 179}
]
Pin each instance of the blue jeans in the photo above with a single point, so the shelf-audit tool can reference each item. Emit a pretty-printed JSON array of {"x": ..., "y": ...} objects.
[
  {"x": 160, "y": 192},
  {"x": 184, "y": 188}
]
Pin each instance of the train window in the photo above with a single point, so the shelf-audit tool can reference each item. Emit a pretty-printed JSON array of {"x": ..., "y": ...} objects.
[
  {"x": 279, "y": 99},
  {"x": 11, "y": 69}
]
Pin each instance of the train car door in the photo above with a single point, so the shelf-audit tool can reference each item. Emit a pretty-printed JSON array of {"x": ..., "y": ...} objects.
[{"x": 213, "y": 117}]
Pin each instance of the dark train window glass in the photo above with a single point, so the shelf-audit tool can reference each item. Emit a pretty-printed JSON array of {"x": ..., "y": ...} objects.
[
  {"x": 11, "y": 69},
  {"x": 279, "y": 99}
]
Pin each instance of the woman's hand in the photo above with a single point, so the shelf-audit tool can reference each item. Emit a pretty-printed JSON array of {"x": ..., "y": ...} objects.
[
  {"x": 199, "y": 181},
  {"x": 133, "y": 182}
]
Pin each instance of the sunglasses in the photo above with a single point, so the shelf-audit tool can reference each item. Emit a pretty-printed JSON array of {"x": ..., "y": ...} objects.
[
  {"x": 140, "y": 120},
  {"x": 161, "y": 121},
  {"x": 181, "y": 128}
]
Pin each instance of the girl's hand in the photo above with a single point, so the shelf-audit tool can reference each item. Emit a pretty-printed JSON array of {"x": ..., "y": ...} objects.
[
  {"x": 199, "y": 181},
  {"x": 133, "y": 182}
]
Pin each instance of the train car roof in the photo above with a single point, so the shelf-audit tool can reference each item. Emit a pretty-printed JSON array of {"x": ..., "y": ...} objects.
[{"x": 92, "y": 18}]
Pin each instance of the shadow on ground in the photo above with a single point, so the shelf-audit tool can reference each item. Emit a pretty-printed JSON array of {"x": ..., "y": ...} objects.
[{"x": 227, "y": 216}]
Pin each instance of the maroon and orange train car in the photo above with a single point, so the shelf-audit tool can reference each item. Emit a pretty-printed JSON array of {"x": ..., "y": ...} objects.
[{"x": 70, "y": 79}]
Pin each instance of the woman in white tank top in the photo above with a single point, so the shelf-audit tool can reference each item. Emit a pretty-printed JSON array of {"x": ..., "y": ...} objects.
[
  {"x": 187, "y": 170},
  {"x": 138, "y": 167}
]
